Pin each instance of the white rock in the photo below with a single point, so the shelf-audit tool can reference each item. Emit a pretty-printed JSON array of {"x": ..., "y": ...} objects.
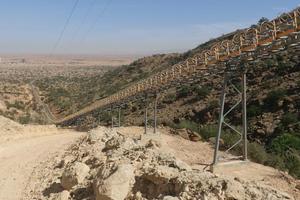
[
  {"x": 95, "y": 135},
  {"x": 74, "y": 175},
  {"x": 114, "y": 142},
  {"x": 65, "y": 161},
  {"x": 117, "y": 186},
  {"x": 64, "y": 195},
  {"x": 182, "y": 165},
  {"x": 170, "y": 198}
]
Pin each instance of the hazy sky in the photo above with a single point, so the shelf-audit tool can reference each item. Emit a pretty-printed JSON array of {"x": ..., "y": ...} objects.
[{"x": 116, "y": 27}]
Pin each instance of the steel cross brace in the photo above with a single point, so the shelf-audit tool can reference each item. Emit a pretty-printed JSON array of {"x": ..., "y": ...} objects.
[
  {"x": 155, "y": 113},
  {"x": 146, "y": 114},
  {"x": 241, "y": 99}
]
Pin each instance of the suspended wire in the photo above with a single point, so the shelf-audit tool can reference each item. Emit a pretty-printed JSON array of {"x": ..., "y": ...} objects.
[
  {"x": 100, "y": 15},
  {"x": 64, "y": 28},
  {"x": 90, "y": 7}
]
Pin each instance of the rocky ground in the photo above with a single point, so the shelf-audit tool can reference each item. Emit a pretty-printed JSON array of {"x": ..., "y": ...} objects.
[{"x": 117, "y": 164}]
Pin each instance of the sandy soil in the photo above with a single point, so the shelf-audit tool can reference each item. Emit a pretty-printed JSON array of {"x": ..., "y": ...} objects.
[{"x": 20, "y": 157}]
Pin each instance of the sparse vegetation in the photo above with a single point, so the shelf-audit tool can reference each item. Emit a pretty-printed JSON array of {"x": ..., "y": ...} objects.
[
  {"x": 208, "y": 131},
  {"x": 202, "y": 92},
  {"x": 188, "y": 125},
  {"x": 289, "y": 118},
  {"x": 273, "y": 108},
  {"x": 184, "y": 91},
  {"x": 272, "y": 99},
  {"x": 17, "y": 104},
  {"x": 253, "y": 111},
  {"x": 24, "y": 119},
  {"x": 169, "y": 98}
]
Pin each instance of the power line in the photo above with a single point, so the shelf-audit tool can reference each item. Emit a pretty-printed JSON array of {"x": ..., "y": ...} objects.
[
  {"x": 100, "y": 15},
  {"x": 64, "y": 28},
  {"x": 90, "y": 7}
]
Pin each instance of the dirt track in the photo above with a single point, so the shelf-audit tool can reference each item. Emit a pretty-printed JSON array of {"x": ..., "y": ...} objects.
[{"x": 19, "y": 158}]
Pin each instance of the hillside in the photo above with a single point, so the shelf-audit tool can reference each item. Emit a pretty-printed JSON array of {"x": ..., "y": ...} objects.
[
  {"x": 273, "y": 103},
  {"x": 67, "y": 95}
]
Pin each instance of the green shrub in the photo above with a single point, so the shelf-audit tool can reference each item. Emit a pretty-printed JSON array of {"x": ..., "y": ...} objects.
[
  {"x": 230, "y": 138},
  {"x": 271, "y": 101},
  {"x": 169, "y": 98},
  {"x": 213, "y": 104},
  {"x": 275, "y": 161},
  {"x": 24, "y": 119},
  {"x": 184, "y": 91},
  {"x": 106, "y": 117},
  {"x": 64, "y": 104},
  {"x": 257, "y": 153},
  {"x": 208, "y": 131},
  {"x": 202, "y": 92},
  {"x": 17, "y": 104},
  {"x": 293, "y": 163},
  {"x": 289, "y": 118},
  {"x": 253, "y": 111},
  {"x": 193, "y": 126},
  {"x": 281, "y": 144},
  {"x": 58, "y": 92}
]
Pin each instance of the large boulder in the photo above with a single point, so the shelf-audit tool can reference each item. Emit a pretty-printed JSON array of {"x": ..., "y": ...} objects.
[
  {"x": 160, "y": 175},
  {"x": 74, "y": 175},
  {"x": 183, "y": 133},
  {"x": 64, "y": 195},
  {"x": 93, "y": 137},
  {"x": 170, "y": 198},
  {"x": 117, "y": 186},
  {"x": 114, "y": 143},
  {"x": 170, "y": 161}
]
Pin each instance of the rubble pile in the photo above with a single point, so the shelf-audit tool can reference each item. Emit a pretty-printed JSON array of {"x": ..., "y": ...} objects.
[{"x": 106, "y": 165}]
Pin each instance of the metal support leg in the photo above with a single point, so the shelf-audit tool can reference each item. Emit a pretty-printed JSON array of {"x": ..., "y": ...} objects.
[
  {"x": 112, "y": 118},
  {"x": 119, "y": 117},
  {"x": 244, "y": 104},
  {"x": 243, "y": 133},
  {"x": 155, "y": 114},
  {"x": 146, "y": 117},
  {"x": 221, "y": 119}
]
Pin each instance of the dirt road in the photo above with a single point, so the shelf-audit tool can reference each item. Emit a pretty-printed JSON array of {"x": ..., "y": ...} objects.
[{"x": 18, "y": 159}]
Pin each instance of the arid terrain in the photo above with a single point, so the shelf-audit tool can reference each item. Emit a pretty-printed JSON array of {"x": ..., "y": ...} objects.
[
  {"x": 16, "y": 68},
  {"x": 34, "y": 96},
  {"x": 23, "y": 148},
  {"x": 150, "y": 100},
  {"x": 19, "y": 75},
  {"x": 43, "y": 162}
]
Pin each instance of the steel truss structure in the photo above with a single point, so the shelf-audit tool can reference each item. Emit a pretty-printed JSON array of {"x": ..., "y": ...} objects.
[
  {"x": 257, "y": 42},
  {"x": 241, "y": 99},
  {"x": 230, "y": 55}
]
